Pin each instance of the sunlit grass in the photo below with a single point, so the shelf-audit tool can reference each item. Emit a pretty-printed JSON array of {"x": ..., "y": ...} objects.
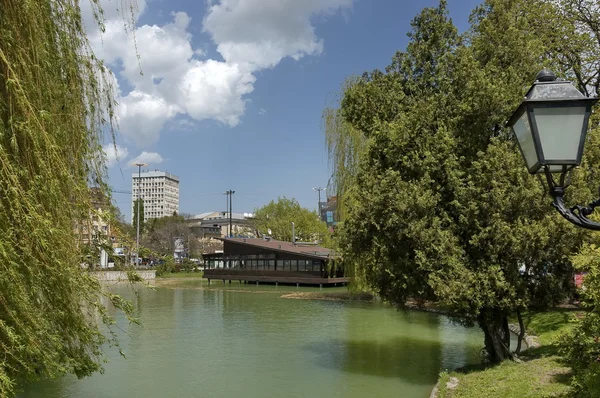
[{"x": 540, "y": 374}]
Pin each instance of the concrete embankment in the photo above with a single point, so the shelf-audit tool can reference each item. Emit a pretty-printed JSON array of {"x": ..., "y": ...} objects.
[{"x": 122, "y": 275}]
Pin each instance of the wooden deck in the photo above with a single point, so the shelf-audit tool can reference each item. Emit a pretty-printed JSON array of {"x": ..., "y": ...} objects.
[{"x": 288, "y": 277}]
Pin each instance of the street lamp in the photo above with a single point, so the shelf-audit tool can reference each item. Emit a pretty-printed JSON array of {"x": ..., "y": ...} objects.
[
  {"x": 550, "y": 126},
  {"x": 139, "y": 198},
  {"x": 319, "y": 189}
]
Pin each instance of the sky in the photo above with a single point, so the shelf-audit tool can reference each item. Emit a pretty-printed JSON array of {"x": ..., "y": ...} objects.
[{"x": 228, "y": 94}]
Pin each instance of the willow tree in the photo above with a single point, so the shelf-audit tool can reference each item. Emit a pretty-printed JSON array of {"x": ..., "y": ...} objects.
[
  {"x": 441, "y": 206},
  {"x": 55, "y": 107}
]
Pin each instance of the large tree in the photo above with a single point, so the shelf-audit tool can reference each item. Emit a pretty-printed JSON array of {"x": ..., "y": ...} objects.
[
  {"x": 54, "y": 109},
  {"x": 278, "y": 216},
  {"x": 440, "y": 205},
  {"x": 161, "y": 234}
]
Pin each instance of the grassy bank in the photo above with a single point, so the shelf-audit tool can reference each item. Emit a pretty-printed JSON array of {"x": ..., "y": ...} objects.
[
  {"x": 195, "y": 274},
  {"x": 539, "y": 374}
]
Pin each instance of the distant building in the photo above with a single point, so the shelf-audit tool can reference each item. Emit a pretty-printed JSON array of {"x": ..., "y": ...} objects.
[
  {"x": 209, "y": 227},
  {"x": 216, "y": 224},
  {"x": 96, "y": 231},
  {"x": 159, "y": 191},
  {"x": 329, "y": 211}
]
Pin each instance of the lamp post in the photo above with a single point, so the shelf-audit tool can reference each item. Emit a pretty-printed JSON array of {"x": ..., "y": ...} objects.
[
  {"x": 319, "y": 189},
  {"x": 139, "y": 198},
  {"x": 550, "y": 126},
  {"x": 230, "y": 194}
]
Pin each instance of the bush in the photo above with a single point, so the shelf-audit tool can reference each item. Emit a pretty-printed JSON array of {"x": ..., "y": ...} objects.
[
  {"x": 581, "y": 345},
  {"x": 166, "y": 267},
  {"x": 188, "y": 266}
]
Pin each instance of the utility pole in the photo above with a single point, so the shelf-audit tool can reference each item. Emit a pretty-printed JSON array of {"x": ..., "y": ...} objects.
[
  {"x": 319, "y": 189},
  {"x": 230, "y": 194},
  {"x": 139, "y": 198}
]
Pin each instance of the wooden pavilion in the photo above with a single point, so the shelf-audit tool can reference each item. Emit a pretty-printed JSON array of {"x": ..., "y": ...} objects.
[{"x": 273, "y": 261}]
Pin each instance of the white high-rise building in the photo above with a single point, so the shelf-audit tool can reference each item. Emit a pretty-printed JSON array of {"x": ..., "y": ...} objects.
[{"x": 160, "y": 192}]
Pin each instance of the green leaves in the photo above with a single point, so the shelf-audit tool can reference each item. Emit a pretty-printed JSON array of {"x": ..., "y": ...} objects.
[
  {"x": 52, "y": 108},
  {"x": 438, "y": 204},
  {"x": 278, "y": 217}
]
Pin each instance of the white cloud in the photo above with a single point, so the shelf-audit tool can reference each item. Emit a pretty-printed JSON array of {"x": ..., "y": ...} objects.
[
  {"x": 262, "y": 111},
  {"x": 150, "y": 158},
  {"x": 142, "y": 116},
  {"x": 249, "y": 34},
  {"x": 112, "y": 156},
  {"x": 260, "y": 33}
]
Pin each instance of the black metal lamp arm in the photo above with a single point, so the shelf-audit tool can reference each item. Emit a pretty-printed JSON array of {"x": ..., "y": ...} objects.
[{"x": 576, "y": 214}]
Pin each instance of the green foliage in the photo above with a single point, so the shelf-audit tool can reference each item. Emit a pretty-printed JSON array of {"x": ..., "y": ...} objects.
[
  {"x": 278, "y": 217},
  {"x": 439, "y": 205},
  {"x": 581, "y": 345},
  {"x": 161, "y": 234},
  {"x": 55, "y": 106},
  {"x": 167, "y": 267},
  {"x": 344, "y": 145},
  {"x": 186, "y": 266},
  {"x": 138, "y": 203}
]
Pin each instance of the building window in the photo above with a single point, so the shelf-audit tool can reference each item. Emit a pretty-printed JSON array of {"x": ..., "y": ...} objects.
[
  {"x": 329, "y": 217},
  {"x": 301, "y": 265}
]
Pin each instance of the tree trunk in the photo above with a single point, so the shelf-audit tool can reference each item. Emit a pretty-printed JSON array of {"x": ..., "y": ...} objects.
[
  {"x": 521, "y": 333},
  {"x": 494, "y": 324}
]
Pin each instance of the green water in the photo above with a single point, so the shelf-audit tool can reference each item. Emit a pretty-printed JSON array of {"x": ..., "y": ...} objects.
[{"x": 239, "y": 342}]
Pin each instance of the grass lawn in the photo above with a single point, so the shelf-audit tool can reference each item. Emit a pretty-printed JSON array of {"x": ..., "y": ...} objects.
[
  {"x": 540, "y": 374},
  {"x": 535, "y": 378},
  {"x": 196, "y": 274},
  {"x": 547, "y": 325}
]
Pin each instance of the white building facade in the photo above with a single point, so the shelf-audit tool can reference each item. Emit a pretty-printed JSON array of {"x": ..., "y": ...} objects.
[{"x": 160, "y": 192}]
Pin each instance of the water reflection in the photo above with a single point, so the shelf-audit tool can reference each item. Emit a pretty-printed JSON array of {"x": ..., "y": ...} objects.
[
  {"x": 415, "y": 360},
  {"x": 223, "y": 343}
]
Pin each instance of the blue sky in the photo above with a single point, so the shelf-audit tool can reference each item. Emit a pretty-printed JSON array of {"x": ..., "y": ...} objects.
[{"x": 232, "y": 90}]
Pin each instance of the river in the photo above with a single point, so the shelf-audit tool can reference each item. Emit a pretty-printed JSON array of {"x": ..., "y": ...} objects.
[{"x": 246, "y": 341}]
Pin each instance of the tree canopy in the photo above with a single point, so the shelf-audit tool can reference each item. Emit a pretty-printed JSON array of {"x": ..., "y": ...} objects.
[
  {"x": 161, "y": 233},
  {"x": 138, "y": 203},
  {"x": 438, "y": 204},
  {"x": 55, "y": 107},
  {"x": 279, "y": 215}
]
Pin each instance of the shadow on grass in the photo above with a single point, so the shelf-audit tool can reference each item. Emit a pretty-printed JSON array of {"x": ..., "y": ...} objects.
[
  {"x": 540, "y": 323},
  {"x": 539, "y": 352}
]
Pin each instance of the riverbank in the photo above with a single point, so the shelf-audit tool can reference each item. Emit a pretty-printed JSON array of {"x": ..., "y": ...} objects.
[
  {"x": 121, "y": 276},
  {"x": 329, "y": 296},
  {"x": 179, "y": 275},
  {"x": 539, "y": 373}
]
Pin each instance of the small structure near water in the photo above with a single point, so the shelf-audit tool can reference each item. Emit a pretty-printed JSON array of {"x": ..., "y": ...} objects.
[{"x": 273, "y": 261}]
